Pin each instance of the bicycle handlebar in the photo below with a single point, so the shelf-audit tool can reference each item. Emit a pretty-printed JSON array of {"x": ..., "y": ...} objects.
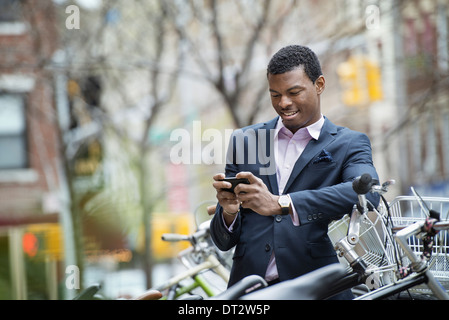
[
  {"x": 441, "y": 226},
  {"x": 175, "y": 237},
  {"x": 417, "y": 227},
  {"x": 364, "y": 183}
]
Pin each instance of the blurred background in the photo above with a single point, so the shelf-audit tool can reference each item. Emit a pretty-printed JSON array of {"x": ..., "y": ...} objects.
[{"x": 98, "y": 98}]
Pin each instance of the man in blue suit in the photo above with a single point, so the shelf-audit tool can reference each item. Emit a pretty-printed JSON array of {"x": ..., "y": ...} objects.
[{"x": 300, "y": 168}]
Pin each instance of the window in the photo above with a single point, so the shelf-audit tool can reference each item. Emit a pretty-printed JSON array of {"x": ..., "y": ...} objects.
[
  {"x": 10, "y": 10},
  {"x": 13, "y": 146}
]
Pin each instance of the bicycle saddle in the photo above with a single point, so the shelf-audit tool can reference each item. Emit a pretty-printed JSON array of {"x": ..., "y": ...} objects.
[
  {"x": 311, "y": 286},
  {"x": 247, "y": 284},
  {"x": 90, "y": 293},
  {"x": 150, "y": 295}
]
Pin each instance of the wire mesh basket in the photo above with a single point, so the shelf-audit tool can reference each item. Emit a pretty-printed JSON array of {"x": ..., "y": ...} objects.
[
  {"x": 406, "y": 210},
  {"x": 372, "y": 245}
]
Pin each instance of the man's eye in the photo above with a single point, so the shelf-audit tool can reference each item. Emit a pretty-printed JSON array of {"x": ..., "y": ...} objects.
[
  {"x": 295, "y": 93},
  {"x": 275, "y": 95}
]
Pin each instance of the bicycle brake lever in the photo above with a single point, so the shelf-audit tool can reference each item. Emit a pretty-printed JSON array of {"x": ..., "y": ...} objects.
[{"x": 388, "y": 183}]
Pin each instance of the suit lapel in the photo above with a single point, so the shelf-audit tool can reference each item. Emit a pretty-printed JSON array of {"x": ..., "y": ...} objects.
[
  {"x": 314, "y": 147},
  {"x": 266, "y": 156}
]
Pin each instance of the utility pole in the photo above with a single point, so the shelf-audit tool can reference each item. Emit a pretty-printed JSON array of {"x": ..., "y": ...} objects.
[{"x": 64, "y": 194}]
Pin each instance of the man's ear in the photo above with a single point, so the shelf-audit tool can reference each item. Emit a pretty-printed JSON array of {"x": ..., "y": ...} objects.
[{"x": 320, "y": 84}]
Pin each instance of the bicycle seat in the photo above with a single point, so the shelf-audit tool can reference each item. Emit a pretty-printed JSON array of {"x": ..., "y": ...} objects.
[
  {"x": 150, "y": 295},
  {"x": 247, "y": 284},
  {"x": 311, "y": 286},
  {"x": 90, "y": 293}
]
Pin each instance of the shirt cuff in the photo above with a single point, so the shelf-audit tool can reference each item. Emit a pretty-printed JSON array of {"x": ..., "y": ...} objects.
[
  {"x": 294, "y": 214},
  {"x": 231, "y": 227}
]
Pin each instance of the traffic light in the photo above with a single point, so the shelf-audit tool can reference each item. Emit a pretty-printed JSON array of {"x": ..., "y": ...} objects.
[
  {"x": 30, "y": 244},
  {"x": 351, "y": 82},
  {"x": 43, "y": 240},
  {"x": 361, "y": 81},
  {"x": 374, "y": 80}
]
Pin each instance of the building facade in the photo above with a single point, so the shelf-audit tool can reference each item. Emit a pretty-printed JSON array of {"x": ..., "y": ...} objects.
[{"x": 29, "y": 152}]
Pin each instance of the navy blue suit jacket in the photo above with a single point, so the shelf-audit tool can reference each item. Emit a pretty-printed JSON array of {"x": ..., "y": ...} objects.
[{"x": 320, "y": 187}]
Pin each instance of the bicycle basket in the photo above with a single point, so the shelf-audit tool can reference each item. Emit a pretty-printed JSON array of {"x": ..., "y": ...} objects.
[
  {"x": 406, "y": 210},
  {"x": 371, "y": 246}
]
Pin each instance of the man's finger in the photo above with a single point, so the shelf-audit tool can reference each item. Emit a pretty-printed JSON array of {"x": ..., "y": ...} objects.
[
  {"x": 220, "y": 185},
  {"x": 219, "y": 176},
  {"x": 242, "y": 188},
  {"x": 248, "y": 175}
]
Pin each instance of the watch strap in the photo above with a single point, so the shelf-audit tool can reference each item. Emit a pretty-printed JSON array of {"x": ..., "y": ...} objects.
[{"x": 285, "y": 210}]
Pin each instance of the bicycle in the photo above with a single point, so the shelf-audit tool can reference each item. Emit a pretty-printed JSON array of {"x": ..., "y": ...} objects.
[
  {"x": 205, "y": 266},
  {"x": 316, "y": 284},
  {"x": 392, "y": 244},
  {"x": 205, "y": 263},
  {"x": 201, "y": 257}
]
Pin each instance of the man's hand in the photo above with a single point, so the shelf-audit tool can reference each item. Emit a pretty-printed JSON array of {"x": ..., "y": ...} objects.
[
  {"x": 227, "y": 200},
  {"x": 256, "y": 195}
]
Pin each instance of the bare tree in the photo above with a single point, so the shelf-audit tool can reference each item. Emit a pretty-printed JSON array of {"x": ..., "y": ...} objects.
[
  {"x": 117, "y": 43},
  {"x": 225, "y": 38}
]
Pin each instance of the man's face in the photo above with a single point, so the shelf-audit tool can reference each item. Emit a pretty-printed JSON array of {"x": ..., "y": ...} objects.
[{"x": 296, "y": 98}]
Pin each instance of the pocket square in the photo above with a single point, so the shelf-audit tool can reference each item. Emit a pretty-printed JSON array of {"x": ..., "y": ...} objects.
[{"x": 324, "y": 156}]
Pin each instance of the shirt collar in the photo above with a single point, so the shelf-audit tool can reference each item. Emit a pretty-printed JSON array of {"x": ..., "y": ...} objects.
[{"x": 314, "y": 129}]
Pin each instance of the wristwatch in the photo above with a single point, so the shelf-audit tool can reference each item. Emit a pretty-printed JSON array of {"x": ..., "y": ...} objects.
[{"x": 284, "y": 201}]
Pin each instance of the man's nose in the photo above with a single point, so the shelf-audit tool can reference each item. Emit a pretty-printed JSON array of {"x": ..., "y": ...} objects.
[{"x": 285, "y": 102}]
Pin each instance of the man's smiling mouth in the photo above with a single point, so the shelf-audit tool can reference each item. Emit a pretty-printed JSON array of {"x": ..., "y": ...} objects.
[{"x": 289, "y": 114}]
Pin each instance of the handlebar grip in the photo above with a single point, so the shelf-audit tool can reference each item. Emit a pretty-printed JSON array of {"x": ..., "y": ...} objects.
[
  {"x": 174, "y": 237},
  {"x": 362, "y": 184}
]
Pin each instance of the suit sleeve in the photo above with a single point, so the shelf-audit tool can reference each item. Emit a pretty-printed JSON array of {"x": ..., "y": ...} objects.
[
  {"x": 221, "y": 236},
  {"x": 332, "y": 202}
]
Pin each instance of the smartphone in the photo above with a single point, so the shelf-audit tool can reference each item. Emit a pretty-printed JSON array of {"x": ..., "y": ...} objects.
[{"x": 234, "y": 181}]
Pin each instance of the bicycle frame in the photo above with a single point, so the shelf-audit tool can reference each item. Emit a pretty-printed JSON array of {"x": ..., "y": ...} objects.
[{"x": 211, "y": 263}]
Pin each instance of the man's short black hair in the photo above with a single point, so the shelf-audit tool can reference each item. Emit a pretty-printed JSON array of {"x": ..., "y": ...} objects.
[{"x": 292, "y": 57}]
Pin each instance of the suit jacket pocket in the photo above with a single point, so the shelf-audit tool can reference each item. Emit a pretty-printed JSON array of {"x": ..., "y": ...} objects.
[
  {"x": 321, "y": 249},
  {"x": 322, "y": 166}
]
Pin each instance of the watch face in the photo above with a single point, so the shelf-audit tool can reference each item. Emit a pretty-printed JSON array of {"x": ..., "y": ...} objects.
[{"x": 284, "y": 201}]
